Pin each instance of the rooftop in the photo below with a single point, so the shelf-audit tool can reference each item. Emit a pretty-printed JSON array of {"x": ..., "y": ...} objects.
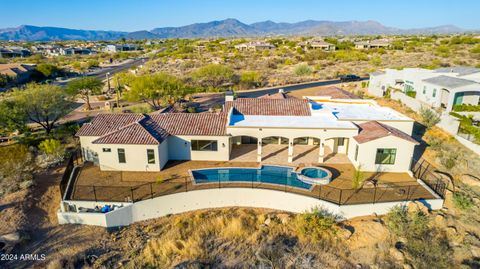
[
  {"x": 449, "y": 82},
  {"x": 269, "y": 107},
  {"x": 356, "y": 111},
  {"x": 373, "y": 130},
  {"x": 314, "y": 121},
  {"x": 461, "y": 70}
]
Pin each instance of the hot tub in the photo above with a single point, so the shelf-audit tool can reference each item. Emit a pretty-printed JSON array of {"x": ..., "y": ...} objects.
[{"x": 315, "y": 175}]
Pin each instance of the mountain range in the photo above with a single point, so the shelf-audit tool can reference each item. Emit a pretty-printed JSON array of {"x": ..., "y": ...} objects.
[{"x": 223, "y": 28}]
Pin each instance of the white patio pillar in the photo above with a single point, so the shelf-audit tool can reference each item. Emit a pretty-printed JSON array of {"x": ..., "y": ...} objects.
[
  {"x": 321, "y": 154},
  {"x": 259, "y": 150},
  {"x": 290, "y": 150}
]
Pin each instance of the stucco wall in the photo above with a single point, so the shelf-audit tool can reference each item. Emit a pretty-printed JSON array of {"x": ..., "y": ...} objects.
[
  {"x": 367, "y": 153},
  {"x": 292, "y": 132},
  {"x": 228, "y": 197},
  {"x": 135, "y": 156}
]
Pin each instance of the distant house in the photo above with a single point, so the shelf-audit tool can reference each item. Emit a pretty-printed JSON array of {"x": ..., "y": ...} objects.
[
  {"x": 317, "y": 44},
  {"x": 74, "y": 51},
  {"x": 19, "y": 73},
  {"x": 439, "y": 88},
  {"x": 122, "y": 47},
  {"x": 14, "y": 52},
  {"x": 255, "y": 46},
  {"x": 372, "y": 44}
]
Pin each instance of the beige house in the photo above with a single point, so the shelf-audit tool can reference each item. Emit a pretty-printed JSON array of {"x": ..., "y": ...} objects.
[
  {"x": 373, "y": 44},
  {"x": 254, "y": 46},
  {"x": 317, "y": 44},
  {"x": 372, "y": 137}
]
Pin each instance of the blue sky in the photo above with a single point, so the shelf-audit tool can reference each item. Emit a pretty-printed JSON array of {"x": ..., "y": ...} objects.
[{"x": 132, "y": 15}]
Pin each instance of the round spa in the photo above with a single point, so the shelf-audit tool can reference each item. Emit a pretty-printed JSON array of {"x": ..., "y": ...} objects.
[{"x": 315, "y": 175}]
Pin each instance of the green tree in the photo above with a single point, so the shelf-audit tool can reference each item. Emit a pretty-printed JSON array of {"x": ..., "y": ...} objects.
[
  {"x": 156, "y": 89},
  {"x": 85, "y": 87},
  {"x": 250, "y": 79},
  {"x": 43, "y": 104},
  {"x": 12, "y": 117},
  {"x": 213, "y": 75},
  {"x": 48, "y": 70}
]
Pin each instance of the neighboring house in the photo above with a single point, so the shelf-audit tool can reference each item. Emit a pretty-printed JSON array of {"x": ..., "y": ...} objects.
[
  {"x": 372, "y": 44},
  {"x": 372, "y": 137},
  {"x": 440, "y": 88},
  {"x": 14, "y": 52},
  {"x": 74, "y": 51},
  {"x": 317, "y": 44},
  {"x": 122, "y": 47},
  {"x": 254, "y": 46},
  {"x": 19, "y": 73}
]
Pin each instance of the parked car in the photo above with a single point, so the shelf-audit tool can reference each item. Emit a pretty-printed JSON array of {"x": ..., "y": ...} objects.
[{"x": 350, "y": 77}]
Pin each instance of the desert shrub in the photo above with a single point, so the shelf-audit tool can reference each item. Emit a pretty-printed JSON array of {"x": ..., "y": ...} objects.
[
  {"x": 317, "y": 226},
  {"x": 288, "y": 62},
  {"x": 52, "y": 147},
  {"x": 16, "y": 169},
  {"x": 425, "y": 246},
  {"x": 376, "y": 61},
  {"x": 348, "y": 55},
  {"x": 358, "y": 178},
  {"x": 476, "y": 49},
  {"x": 249, "y": 79},
  {"x": 302, "y": 70},
  {"x": 462, "y": 200},
  {"x": 466, "y": 107},
  {"x": 449, "y": 159},
  {"x": 428, "y": 117}
]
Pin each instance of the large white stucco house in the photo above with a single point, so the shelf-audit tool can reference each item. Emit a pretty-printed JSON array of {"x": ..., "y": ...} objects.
[
  {"x": 373, "y": 137},
  {"x": 440, "y": 88}
]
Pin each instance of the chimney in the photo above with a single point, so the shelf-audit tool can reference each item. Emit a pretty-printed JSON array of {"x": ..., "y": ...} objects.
[{"x": 229, "y": 95}]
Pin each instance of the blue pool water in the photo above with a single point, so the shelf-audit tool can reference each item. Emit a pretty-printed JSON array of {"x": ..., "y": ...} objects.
[
  {"x": 314, "y": 173},
  {"x": 267, "y": 174}
]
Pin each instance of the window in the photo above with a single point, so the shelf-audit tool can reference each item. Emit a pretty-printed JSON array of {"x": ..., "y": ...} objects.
[
  {"x": 424, "y": 89},
  {"x": 356, "y": 152},
  {"x": 106, "y": 149},
  {"x": 385, "y": 156},
  {"x": 434, "y": 93},
  {"x": 121, "y": 156},
  {"x": 150, "y": 156},
  {"x": 341, "y": 141},
  {"x": 204, "y": 145}
]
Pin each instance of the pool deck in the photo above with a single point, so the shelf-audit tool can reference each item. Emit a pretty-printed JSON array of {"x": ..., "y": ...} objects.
[{"x": 175, "y": 178}]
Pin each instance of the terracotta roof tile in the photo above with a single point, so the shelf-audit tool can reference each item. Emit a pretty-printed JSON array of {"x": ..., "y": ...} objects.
[
  {"x": 336, "y": 93},
  {"x": 106, "y": 123},
  {"x": 192, "y": 123},
  {"x": 136, "y": 133},
  {"x": 269, "y": 107},
  {"x": 373, "y": 130}
]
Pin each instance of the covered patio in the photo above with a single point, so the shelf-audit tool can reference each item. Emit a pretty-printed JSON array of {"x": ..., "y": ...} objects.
[{"x": 285, "y": 151}]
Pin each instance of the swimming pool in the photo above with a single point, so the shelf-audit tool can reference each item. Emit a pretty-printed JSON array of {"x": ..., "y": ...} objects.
[{"x": 266, "y": 174}]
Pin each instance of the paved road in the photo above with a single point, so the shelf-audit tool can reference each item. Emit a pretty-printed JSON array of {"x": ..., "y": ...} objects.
[
  {"x": 290, "y": 88},
  {"x": 102, "y": 72}
]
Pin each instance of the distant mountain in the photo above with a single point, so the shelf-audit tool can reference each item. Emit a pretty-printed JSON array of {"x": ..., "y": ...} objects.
[
  {"x": 223, "y": 28},
  {"x": 35, "y": 33},
  {"x": 228, "y": 27}
]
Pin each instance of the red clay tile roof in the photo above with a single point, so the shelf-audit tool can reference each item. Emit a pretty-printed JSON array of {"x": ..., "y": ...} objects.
[
  {"x": 336, "y": 93},
  {"x": 278, "y": 95},
  {"x": 269, "y": 107},
  {"x": 192, "y": 123},
  {"x": 372, "y": 130},
  {"x": 105, "y": 123},
  {"x": 144, "y": 132}
]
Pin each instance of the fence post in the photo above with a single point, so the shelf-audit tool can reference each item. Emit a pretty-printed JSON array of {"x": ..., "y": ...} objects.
[
  {"x": 374, "y": 194},
  {"x": 219, "y": 186},
  {"x": 252, "y": 179},
  {"x": 340, "y": 200},
  {"x": 408, "y": 193},
  {"x": 94, "y": 193},
  {"x": 131, "y": 190},
  {"x": 151, "y": 190},
  {"x": 186, "y": 185},
  {"x": 319, "y": 191}
]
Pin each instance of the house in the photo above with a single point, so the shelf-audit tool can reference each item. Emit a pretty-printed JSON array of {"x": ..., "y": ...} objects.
[
  {"x": 14, "y": 52},
  {"x": 439, "y": 88},
  {"x": 317, "y": 44},
  {"x": 373, "y": 44},
  {"x": 371, "y": 137},
  {"x": 122, "y": 47},
  {"x": 254, "y": 46},
  {"x": 19, "y": 73}
]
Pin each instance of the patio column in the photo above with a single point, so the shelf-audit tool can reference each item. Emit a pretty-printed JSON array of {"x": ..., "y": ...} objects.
[
  {"x": 290, "y": 150},
  {"x": 321, "y": 154},
  {"x": 259, "y": 150}
]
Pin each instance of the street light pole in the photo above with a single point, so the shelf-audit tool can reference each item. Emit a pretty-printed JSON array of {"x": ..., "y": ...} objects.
[{"x": 108, "y": 81}]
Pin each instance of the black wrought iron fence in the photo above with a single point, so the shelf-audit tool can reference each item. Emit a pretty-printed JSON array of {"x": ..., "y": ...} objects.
[{"x": 423, "y": 170}]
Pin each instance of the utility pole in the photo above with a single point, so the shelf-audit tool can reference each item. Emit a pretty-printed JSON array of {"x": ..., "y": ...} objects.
[{"x": 108, "y": 81}]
